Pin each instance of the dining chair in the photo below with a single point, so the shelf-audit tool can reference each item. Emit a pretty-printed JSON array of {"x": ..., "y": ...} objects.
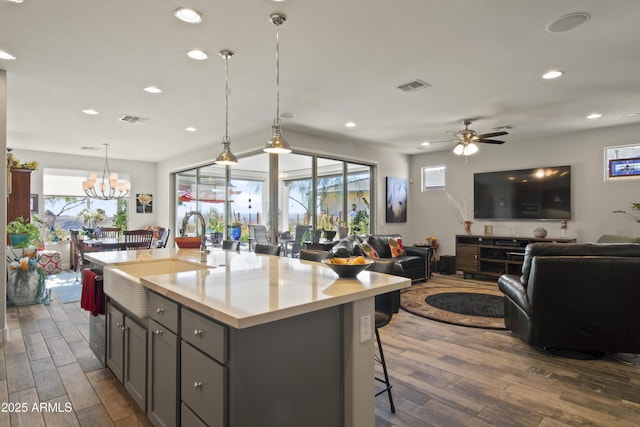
[
  {"x": 296, "y": 245},
  {"x": 313, "y": 254},
  {"x": 262, "y": 248},
  {"x": 109, "y": 233},
  {"x": 164, "y": 237},
  {"x": 232, "y": 245},
  {"x": 79, "y": 263},
  {"x": 138, "y": 239},
  {"x": 259, "y": 232}
]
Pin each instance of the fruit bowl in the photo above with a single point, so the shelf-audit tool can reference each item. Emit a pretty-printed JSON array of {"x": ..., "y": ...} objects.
[
  {"x": 188, "y": 242},
  {"x": 345, "y": 268}
]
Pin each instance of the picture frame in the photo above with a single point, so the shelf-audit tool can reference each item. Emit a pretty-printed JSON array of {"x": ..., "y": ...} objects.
[
  {"x": 144, "y": 203},
  {"x": 619, "y": 168},
  {"x": 34, "y": 203},
  {"x": 397, "y": 195}
]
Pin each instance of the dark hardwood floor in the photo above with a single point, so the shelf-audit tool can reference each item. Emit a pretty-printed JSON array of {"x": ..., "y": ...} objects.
[{"x": 442, "y": 375}]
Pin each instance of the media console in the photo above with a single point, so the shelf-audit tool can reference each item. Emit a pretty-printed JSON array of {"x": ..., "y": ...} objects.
[{"x": 494, "y": 255}]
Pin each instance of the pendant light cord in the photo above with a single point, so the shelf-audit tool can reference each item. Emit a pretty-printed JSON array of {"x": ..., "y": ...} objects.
[
  {"x": 226, "y": 98},
  {"x": 277, "y": 121}
]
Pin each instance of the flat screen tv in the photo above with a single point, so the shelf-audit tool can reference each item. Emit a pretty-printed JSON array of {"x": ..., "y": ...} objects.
[{"x": 539, "y": 193}]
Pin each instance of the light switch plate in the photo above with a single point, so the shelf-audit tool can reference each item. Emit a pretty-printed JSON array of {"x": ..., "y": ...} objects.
[{"x": 365, "y": 328}]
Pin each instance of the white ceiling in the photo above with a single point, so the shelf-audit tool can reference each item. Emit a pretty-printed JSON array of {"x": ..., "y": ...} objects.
[{"x": 340, "y": 60}]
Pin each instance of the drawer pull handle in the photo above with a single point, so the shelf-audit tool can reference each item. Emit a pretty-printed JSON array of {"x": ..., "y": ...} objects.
[
  {"x": 197, "y": 384},
  {"x": 159, "y": 310},
  {"x": 197, "y": 332},
  {"x": 158, "y": 332}
]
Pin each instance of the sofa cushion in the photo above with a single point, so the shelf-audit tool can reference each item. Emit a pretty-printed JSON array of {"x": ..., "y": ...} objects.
[
  {"x": 368, "y": 250},
  {"x": 380, "y": 242},
  {"x": 396, "y": 247}
]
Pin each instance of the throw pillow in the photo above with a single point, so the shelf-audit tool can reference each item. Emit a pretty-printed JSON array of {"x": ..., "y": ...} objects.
[
  {"x": 396, "y": 247},
  {"x": 368, "y": 250}
]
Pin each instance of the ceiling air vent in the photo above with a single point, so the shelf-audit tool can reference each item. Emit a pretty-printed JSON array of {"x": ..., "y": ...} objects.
[
  {"x": 414, "y": 85},
  {"x": 132, "y": 119},
  {"x": 505, "y": 127}
]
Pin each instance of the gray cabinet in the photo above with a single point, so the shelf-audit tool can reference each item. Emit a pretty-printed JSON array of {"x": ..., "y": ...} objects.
[
  {"x": 163, "y": 376},
  {"x": 127, "y": 353}
]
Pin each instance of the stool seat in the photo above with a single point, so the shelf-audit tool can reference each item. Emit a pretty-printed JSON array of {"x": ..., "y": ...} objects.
[{"x": 50, "y": 261}]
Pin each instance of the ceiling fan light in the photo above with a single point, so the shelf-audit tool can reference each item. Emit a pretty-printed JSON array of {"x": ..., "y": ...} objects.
[
  {"x": 470, "y": 149},
  {"x": 459, "y": 149}
]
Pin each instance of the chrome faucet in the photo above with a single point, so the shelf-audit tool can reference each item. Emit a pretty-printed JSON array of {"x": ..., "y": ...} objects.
[{"x": 203, "y": 232}]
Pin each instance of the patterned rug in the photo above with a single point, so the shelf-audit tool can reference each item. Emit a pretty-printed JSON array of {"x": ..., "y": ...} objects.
[{"x": 466, "y": 306}]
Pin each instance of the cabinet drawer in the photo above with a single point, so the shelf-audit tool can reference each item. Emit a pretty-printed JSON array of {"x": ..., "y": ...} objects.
[
  {"x": 205, "y": 334},
  {"x": 188, "y": 418},
  {"x": 163, "y": 311},
  {"x": 203, "y": 385}
]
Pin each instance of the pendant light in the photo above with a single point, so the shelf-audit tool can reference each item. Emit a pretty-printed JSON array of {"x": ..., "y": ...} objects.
[
  {"x": 226, "y": 158},
  {"x": 277, "y": 144},
  {"x": 108, "y": 187}
]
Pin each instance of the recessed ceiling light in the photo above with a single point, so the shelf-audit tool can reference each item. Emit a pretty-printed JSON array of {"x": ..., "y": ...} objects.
[
  {"x": 187, "y": 15},
  {"x": 16, "y": 1},
  {"x": 190, "y": 129},
  {"x": 567, "y": 22},
  {"x": 424, "y": 144},
  {"x": 197, "y": 54},
  {"x": 594, "y": 116},
  {"x": 350, "y": 124},
  {"x": 6, "y": 55},
  {"x": 631, "y": 115},
  {"x": 553, "y": 74},
  {"x": 152, "y": 89},
  {"x": 90, "y": 111}
]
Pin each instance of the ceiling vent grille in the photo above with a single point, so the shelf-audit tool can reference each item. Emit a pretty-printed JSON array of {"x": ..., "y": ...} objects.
[
  {"x": 414, "y": 85},
  {"x": 505, "y": 127},
  {"x": 132, "y": 119}
]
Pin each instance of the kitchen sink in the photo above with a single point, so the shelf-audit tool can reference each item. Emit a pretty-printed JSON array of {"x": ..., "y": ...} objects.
[{"x": 122, "y": 282}]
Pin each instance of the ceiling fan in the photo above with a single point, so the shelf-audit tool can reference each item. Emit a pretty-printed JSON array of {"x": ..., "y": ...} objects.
[{"x": 467, "y": 139}]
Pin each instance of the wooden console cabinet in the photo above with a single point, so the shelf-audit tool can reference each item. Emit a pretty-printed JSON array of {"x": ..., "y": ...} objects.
[{"x": 494, "y": 255}]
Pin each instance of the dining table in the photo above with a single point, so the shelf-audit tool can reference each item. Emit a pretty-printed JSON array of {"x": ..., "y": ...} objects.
[{"x": 104, "y": 244}]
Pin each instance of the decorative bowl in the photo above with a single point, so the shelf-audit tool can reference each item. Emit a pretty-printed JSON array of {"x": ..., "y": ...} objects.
[
  {"x": 188, "y": 242},
  {"x": 540, "y": 232},
  {"x": 347, "y": 270}
]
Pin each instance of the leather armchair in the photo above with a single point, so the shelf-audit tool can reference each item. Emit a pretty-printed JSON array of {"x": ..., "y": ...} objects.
[{"x": 578, "y": 297}]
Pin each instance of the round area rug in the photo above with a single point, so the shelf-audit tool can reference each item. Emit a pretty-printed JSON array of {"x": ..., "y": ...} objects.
[{"x": 478, "y": 308}]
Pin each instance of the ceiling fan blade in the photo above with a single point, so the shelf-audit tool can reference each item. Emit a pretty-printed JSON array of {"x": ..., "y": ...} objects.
[
  {"x": 491, "y": 135},
  {"x": 490, "y": 141}
]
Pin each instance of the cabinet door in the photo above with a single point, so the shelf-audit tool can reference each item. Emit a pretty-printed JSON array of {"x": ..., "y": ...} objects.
[
  {"x": 135, "y": 362},
  {"x": 467, "y": 258},
  {"x": 115, "y": 341},
  {"x": 163, "y": 375}
]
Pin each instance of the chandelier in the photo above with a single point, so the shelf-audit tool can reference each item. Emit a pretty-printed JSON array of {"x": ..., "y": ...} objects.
[
  {"x": 108, "y": 187},
  {"x": 226, "y": 157},
  {"x": 277, "y": 144}
]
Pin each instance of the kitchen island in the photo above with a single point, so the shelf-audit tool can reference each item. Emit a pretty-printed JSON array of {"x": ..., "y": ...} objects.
[{"x": 254, "y": 339}]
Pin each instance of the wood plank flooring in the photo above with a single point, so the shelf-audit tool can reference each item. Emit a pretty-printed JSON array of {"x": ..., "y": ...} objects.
[{"x": 442, "y": 375}]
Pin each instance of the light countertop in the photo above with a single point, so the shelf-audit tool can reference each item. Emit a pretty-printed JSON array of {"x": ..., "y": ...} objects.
[{"x": 243, "y": 289}]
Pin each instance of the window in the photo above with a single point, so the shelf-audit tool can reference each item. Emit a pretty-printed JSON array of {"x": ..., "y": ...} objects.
[
  {"x": 64, "y": 200},
  {"x": 433, "y": 178}
]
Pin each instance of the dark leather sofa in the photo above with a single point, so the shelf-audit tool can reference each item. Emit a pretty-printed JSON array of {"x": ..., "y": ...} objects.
[
  {"x": 580, "y": 297},
  {"x": 414, "y": 263}
]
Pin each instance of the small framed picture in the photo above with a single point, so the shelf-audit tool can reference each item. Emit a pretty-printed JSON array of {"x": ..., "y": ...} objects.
[{"x": 34, "y": 203}]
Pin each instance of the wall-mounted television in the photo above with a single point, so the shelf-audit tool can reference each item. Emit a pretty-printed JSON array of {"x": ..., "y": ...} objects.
[{"x": 538, "y": 193}]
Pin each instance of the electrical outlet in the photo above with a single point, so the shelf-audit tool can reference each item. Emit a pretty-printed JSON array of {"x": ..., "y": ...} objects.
[{"x": 365, "y": 328}]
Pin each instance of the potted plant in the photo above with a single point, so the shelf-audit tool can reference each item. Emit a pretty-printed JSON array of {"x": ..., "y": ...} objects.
[
  {"x": 23, "y": 234},
  {"x": 25, "y": 280},
  {"x": 236, "y": 227},
  {"x": 91, "y": 219},
  {"x": 216, "y": 224}
]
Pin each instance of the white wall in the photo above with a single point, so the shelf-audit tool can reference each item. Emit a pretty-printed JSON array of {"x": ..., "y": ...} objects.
[
  {"x": 593, "y": 198},
  {"x": 142, "y": 175}
]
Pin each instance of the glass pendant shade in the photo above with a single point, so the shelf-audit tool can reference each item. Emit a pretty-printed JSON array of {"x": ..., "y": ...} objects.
[{"x": 463, "y": 149}]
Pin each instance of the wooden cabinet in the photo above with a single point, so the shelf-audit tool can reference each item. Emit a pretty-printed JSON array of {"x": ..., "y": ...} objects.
[
  {"x": 493, "y": 255},
  {"x": 163, "y": 363},
  {"x": 19, "y": 190},
  {"x": 127, "y": 353}
]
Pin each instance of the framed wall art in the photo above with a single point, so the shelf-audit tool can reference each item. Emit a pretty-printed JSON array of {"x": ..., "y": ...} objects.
[{"x": 396, "y": 199}]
